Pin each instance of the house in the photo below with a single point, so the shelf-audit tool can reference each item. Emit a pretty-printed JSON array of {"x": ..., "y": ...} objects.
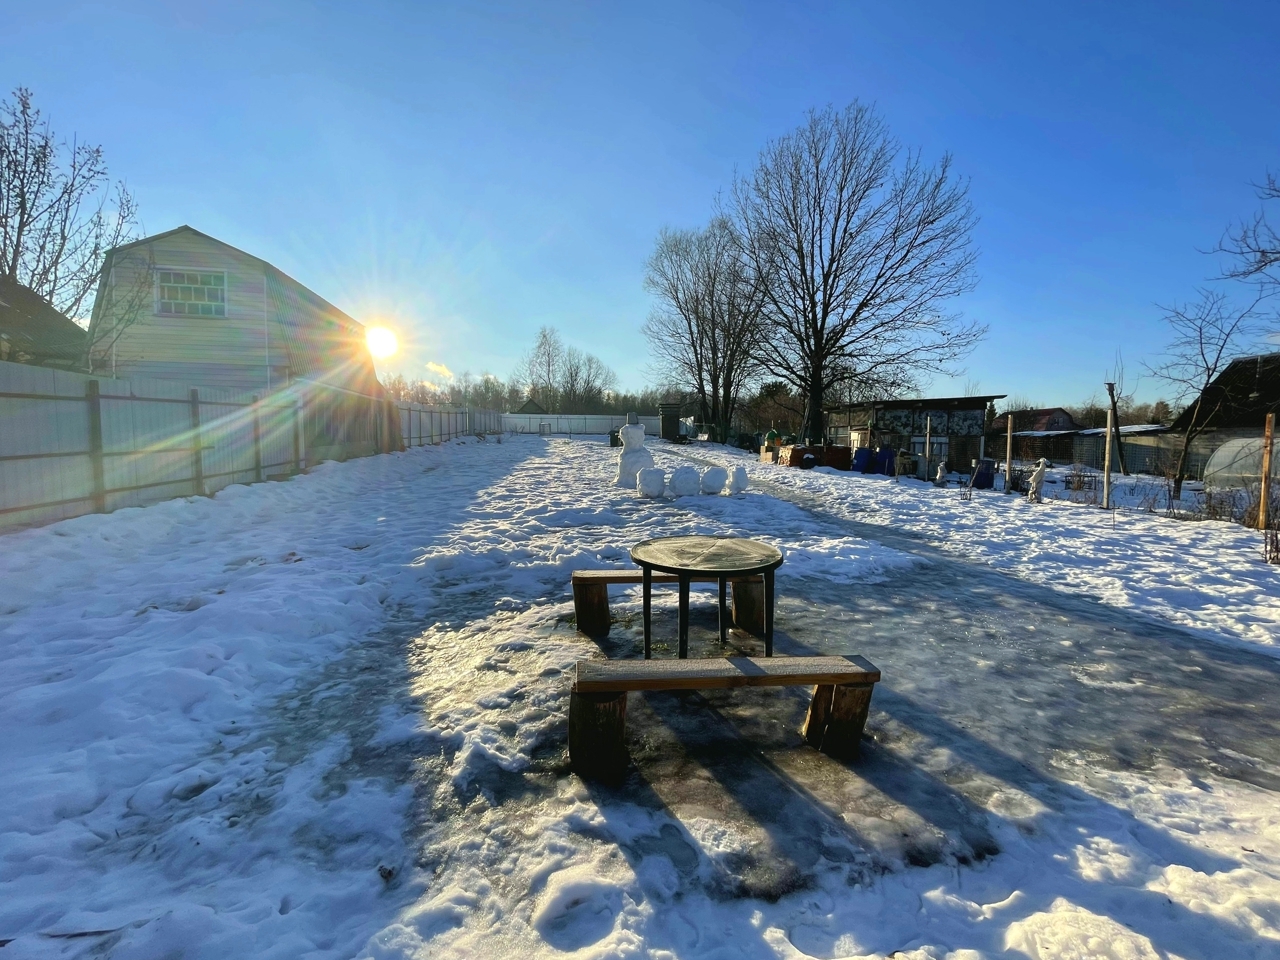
[
  {"x": 185, "y": 306},
  {"x": 955, "y": 426},
  {"x": 531, "y": 406},
  {"x": 33, "y": 331},
  {"x": 1048, "y": 420},
  {"x": 1237, "y": 402}
]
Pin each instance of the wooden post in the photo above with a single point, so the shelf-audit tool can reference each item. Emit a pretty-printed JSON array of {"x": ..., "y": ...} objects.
[
  {"x": 197, "y": 446},
  {"x": 748, "y": 606},
  {"x": 682, "y": 616},
  {"x": 648, "y": 612},
  {"x": 591, "y": 608},
  {"x": 1106, "y": 467},
  {"x": 1008, "y": 458},
  {"x": 928, "y": 444},
  {"x": 93, "y": 401},
  {"x": 297, "y": 436},
  {"x": 768, "y": 613},
  {"x": 1268, "y": 439},
  {"x": 815, "y": 722},
  {"x": 597, "y": 735},
  {"x": 849, "y": 706},
  {"x": 257, "y": 442}
]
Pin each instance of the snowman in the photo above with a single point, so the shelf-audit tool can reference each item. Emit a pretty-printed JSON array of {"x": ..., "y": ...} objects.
[{"x": 634, "y": 457}]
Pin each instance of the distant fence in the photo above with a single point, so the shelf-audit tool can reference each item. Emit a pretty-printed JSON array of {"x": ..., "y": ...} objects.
[
  {"x": 564, "y": 423},
  {"x": 72, "y": 444},
  {"x": 421, "y": 424}
]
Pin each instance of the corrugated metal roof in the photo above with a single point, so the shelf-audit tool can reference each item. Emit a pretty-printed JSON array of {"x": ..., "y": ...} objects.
[
  {"x": 35, "y": 328},
  {"x": 1240, "y": 397}
]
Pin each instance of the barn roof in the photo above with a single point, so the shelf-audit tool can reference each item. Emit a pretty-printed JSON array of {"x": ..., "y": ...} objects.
[{"x": 1240, "y": 397}]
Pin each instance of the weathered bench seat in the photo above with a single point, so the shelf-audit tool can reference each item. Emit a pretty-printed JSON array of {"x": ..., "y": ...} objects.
[
  {"x": 598, "y": 701},
  {"x": 591, "y": 598}
]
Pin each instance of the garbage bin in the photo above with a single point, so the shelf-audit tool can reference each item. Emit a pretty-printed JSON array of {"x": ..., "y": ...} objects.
[{"x": 669, "y": 421}]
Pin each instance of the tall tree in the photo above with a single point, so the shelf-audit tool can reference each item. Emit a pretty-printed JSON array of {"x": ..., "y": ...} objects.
[
  {"x": 706, "y": 329},
  {"x": 541, "y": 367},
  {"x": 856, "y": 244},
  {"x": 59, "y": 211},
  {"x": 1207, "y": 335},
  {"x": 1255, "y": 244}
]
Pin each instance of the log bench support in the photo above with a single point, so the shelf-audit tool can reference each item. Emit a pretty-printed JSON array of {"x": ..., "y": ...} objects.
[
  {"x": 591, "y": 599},
  {"x": 598, "y": 702}
]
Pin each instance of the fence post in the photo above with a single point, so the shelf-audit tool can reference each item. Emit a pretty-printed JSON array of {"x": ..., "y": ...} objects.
[
  {"x": 297, "y": 436},
  {"x": 257, "y": 443},
  {"x": 197, "y": 446},
  {"x": 1268, "y": 439},
  {"x": 94, "y": 403}
]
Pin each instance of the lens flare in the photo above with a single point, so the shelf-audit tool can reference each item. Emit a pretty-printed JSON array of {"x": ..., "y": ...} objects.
[{"x": 382, "y": 342}]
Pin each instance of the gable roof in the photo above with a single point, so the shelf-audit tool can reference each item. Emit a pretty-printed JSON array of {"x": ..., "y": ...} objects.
[
  {"x": 1037, "y": 421},
  {"x": 531, "y": 406},
  {"x": 1240, "y": 397},
  {"x": 36, "y": 329}
]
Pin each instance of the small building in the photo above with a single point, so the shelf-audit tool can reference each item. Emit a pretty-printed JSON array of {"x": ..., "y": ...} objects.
[
  {"x": 1237, "y": 402},
  {"x": 531, "y": 406},
  {"x": 33, "y": 331},
  {"x": 182, "y": 305},
  {"x": 1044, "y": 421},
  {"x": 956, "y": 427}
]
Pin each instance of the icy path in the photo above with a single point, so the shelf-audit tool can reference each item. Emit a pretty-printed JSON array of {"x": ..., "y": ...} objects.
[
  {"x": 325, "y": 718},
  {"x": 1208, "y": 576}
]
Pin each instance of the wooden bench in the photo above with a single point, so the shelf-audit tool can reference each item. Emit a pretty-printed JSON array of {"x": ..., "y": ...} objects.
[
  {"x": 598, "y": 701},
  {"x": 591, "y": 598}
]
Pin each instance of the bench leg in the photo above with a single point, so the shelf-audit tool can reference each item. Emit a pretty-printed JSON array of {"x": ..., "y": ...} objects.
[
  {"x": 837, "y": 716},
  {"x": 597, "y": 735},
  {"x": 591, "y": 608},
  {"x": 748, "y": 606},
  {"x": 849, "y": 706}
]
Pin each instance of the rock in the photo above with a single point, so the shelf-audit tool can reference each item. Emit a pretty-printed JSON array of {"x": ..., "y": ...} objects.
[
  {"x": 651, "y": 482},
  {"x": 684, "y": 482},
  {"x": 714, "y": 479},
  {"x": 738, "y": 482},
  {"x": 634, "y": 457}
]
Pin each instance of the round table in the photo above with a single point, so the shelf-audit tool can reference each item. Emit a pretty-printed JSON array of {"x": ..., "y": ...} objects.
[{"x": 724, "y": 558}]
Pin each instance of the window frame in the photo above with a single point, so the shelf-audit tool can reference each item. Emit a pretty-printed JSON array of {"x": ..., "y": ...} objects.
[{"x": 185, "y": 270}]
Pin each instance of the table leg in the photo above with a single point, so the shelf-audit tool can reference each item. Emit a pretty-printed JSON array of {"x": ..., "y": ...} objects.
[
  {"x": 684, "y": 616},
  {"x": 648, "y": 612},
  {"x": 768, "y": 613},
  {"x": 724, "y": 610}
]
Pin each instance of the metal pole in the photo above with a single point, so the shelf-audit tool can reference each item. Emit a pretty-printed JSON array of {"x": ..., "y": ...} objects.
[
  {"x": 1008, "y": 457},
  {"x": 928, "y": 444},
  {"x": 1106, "y": 466},
  {"x": 1268, "y": 439}
]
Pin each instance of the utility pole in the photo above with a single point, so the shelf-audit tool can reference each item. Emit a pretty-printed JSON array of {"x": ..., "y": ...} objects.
[
  {"x": 1115, "y": 419},
  {"x": 1106, "y": 466},
  {"x": 1008, "y": 457},
  {"x": 1268, "y": 439}
]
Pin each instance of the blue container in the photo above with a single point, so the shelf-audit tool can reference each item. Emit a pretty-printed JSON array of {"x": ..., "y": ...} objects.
[
  {"x": 984, "y": 475},
  {"x": 863, "y": 460},
  {"x": 885, "y": 461}
]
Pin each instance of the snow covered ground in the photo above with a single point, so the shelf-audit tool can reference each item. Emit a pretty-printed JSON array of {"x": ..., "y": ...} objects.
[{"x": 325, "y": 718}]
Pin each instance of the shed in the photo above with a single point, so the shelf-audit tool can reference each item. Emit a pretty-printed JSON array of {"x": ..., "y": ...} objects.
[
  {"x": 956, "y": 426},
  {"x": 32, "y": 330},
  {"x": 531, "y": 406}
]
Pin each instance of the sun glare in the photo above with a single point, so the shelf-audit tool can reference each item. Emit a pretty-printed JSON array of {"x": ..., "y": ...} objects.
[{"x": 382, "y": 342}]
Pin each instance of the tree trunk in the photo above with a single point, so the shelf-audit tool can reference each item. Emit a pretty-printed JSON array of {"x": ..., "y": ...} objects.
[{"x": 813, "y": 424}]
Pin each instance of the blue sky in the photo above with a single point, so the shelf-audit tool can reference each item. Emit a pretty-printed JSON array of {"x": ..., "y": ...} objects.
[{"x": 468, "y": 172}]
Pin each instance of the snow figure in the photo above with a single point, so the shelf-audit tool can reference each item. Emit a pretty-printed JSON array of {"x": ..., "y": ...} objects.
[
  {"x": 714, "y": 479},
  {"x": 651, "y": 481},
  {"x": 1036, "y": 482},
  {"x": 684, "y": 482},
  {"x": 941, "y": 479},
  {"x": 738, "y": 482},
  {"x": 634, "y": 457}
]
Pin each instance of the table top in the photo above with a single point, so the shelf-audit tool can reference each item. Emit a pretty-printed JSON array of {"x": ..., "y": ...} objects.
[{"x": 707, "y": 555}]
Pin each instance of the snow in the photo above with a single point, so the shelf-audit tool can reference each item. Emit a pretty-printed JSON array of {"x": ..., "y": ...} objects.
[
  {"x": 325, "y": 718},
  {"x": 714, "y": 480}
]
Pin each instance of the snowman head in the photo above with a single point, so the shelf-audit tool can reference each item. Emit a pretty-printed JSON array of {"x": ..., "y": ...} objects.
[{"x": 632, "y": 436}]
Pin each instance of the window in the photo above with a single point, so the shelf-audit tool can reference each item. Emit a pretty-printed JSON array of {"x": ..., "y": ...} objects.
[{"x": 183, "y": 294}]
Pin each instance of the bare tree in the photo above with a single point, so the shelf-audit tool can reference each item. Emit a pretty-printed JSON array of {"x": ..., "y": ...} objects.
[
  {"x": 1255, "y": 244},
  {"x": 59, "y": 212},
  {"x": 706, "y": 330},
  {"x": 541, "y": 367},
  {"x": 584, "y": 381},
  {"x": 1207, "y": 335},
  {"x": 126, "y": 295},
  {"x": 856, "y": 244}
]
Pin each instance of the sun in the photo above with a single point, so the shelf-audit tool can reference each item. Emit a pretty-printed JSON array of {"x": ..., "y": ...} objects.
[{"x": 382, "y": 342}]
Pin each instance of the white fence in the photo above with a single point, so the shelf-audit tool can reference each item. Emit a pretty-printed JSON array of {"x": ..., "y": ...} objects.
[
  {"x": 72, "y": 444},
  {"x": 565, "y": 423},
  {"x": 420, "y": 425}
]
